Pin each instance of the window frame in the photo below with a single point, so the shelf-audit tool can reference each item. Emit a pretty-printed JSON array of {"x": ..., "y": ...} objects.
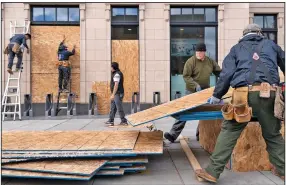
[
  {"x": 125, "y": 23},
  {"x": 68, "y": 23},
  {"x": 193, "y": 24},
  {"x": 268, "y": 30}
]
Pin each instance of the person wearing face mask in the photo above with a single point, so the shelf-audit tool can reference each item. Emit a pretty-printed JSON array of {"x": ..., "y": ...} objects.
[{"x": 196, "y": 73}]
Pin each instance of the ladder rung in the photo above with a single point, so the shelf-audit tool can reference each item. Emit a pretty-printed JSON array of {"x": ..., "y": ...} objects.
[
  {"x": 12, "y": 95},
  {"x": 12, "y": 86},
  {"x": 63, "y": 108},
  {"x": 11, "y": 104},
  {"x": 10, "y": 112},
  {"x": 13, "y": 78}
]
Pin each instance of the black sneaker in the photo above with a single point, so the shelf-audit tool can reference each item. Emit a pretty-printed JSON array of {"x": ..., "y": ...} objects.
[
  {"x": 123, "y": 123},
  {"x": 65, "y": 91},
  {"x": 109, "y": 123},
  {"x": 169, "y": 137}
]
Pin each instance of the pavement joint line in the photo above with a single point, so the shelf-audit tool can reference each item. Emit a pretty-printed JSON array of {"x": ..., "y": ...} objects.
[
  {"x": 176, "y": 167},
  {"x": 56, "y": 125},
  {"x": 267, "y": 177},
  {"x": 86, "y": 125}
]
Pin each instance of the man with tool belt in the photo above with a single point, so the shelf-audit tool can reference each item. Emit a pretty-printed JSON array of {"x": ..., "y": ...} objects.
[
  {"x": 251, "y": 68},
  {"x": 197, "y": 72},
  {"x": 64, "y": 66},
  {"x": 14, "y": 48}
]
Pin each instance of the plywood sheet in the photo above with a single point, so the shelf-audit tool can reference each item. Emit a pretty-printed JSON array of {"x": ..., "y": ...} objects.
[
  {"x": 133, "y": 160},
  {"x": 110, "y": 172},
  {"x": 102, "y": 91},
  {"x": 126, "y": 53},
  {"x": 134, "y": 168},
  {"x": 85, "y": 167},
  {"x": 44, "y": 47},
  {"x": 110, "y": 167},
  {"x": 173, "y": 107},
  {"x": 40, "y": 175},
  {"x": 42, "y": 84},
  {"x": 149, "y": 143},
  {"x": 44, "y": 73}
]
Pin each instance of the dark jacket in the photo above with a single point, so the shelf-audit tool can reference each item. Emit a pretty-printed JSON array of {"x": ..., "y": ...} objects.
[
  {"x": 63, "y": 53},
  {"x": 237, "y": 64},
  {"x": 120, "y": 89},
  {"x": 19, "y": 39}
]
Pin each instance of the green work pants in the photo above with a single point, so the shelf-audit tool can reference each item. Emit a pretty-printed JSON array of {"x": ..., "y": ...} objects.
[{"x": 263, "y": 109}]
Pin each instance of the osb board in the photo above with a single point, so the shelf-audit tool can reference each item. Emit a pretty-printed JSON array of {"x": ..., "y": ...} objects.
[
  {"x": 134, "y": 168},
  {"x": 149, "y": 143},
  {"x": 103, "y": 94},
  {"x": 126, "y": 53},
  {"x": 43, "y": 84},
  {"x": 85, "y": 167},
  {"x": 133, "y": 160},
  {"x": 70, "y": 140},
  {"x": 110, "y": 168},
  {"x": 40, "y": 175},
  {"x": 249, "y": 153},
  {"x": 173, "y": 107},
  {"x": 44, "y": 47}
]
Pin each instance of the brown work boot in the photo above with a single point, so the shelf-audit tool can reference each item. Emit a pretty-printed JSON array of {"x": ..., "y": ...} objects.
[
  {"x": 10, "y": 71},
  {"x": 275, "y": 172},
  {"x": 204, "y": 175}
]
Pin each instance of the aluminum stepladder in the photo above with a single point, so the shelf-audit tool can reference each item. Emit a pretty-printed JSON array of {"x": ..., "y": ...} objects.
[{"x": 13, "y": 106}]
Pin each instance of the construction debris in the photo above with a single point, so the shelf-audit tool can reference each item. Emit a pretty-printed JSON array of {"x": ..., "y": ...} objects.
[{"x": 100, "y": 153}]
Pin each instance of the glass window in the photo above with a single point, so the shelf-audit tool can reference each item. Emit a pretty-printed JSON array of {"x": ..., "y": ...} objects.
[
  {"x": 62, "y": 14},
  {"x": 258, "y": 20},
  {"x": 183, "y": 44},
  {"x": 210, "y": 14},
  {"x": 73, "y": 14},
  {"x": 117, "y": 14},
  {"x": 269, "y": 22},
  {"x": 189, "y": 15},
  {"x": 131, "y": 14},
  {"x": 124, "y": 32},
  {"x": 38, "y": 14},
  {"x": 50, "y": 14}
]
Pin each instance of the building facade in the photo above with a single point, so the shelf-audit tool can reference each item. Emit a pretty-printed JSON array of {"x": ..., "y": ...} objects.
[{"x": 151, "y": 42}]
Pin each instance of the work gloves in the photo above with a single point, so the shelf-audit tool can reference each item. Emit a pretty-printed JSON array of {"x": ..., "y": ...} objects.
[
  {"x": 198, "y": 88},
  {"x": 214, "y": 100}
]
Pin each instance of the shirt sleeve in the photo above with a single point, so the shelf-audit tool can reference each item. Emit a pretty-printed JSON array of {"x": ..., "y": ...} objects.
[
  {"x": 24, "y": 43},
  {"x": 116, "y": 78}
]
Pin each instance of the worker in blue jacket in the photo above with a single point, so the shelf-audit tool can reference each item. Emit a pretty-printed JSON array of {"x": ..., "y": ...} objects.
[
  {"x": 251, "y": 67},
  {"x": 64, "y": 66}
]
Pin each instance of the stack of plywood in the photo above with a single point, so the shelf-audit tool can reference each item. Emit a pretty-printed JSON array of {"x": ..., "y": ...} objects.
[{"x": 77, "y": 155}]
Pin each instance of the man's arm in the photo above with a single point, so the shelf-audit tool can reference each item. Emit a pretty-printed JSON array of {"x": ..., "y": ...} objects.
[
  {"x": 216, "y": 69},
  {"x": 72, "y": 52},
  {"x": 25, "y": 43},
  {"x": 187, "y": 75},
  {"x": 228, "y": 70},
  {"x": 280, "y": 58},
  {"x": 115, "y": 88}
]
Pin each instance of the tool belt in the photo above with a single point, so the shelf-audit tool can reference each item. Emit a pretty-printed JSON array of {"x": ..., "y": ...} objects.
[
  {"x": 16, "y": 48},
  {"x": 63, "y": 63}
]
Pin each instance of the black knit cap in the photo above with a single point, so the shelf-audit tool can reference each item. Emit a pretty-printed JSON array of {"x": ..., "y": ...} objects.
[
  {"x": 201, "y": 47},
  {"x": 115, "y": 65}
]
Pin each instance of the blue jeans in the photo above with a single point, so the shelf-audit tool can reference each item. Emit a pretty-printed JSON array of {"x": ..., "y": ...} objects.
[{"x": 12, "y": 56}]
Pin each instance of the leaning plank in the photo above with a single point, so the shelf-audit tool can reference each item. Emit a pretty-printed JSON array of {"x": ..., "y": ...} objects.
[
  {"x": 173, "y": 107},
  {"x": 39, "y": 175},
  {"x": 84, "y": 167},
  {"x": 191, "y": 157}
]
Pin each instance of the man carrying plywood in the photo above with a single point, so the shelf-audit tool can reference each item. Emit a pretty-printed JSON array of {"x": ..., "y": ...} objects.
[
  {"x": 14, "y": 48},
  {"x": 64, "y": 66},
  {"x": 251, "y": 68},
  {"x": 197, "y": 72}
]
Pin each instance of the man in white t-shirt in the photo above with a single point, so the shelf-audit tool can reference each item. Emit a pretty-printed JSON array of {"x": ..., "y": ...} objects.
[{"x": 117, "y": 90}]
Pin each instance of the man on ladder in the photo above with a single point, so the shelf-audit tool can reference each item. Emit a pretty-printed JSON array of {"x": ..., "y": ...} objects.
[
  {"x": 14, "y": 48},
  {"x": 64, "y": 66}
]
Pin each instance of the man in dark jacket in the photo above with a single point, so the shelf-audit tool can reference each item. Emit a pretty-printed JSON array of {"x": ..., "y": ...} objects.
[
  {"x": 254, "y": 60},
  {"x": 14, "y": 48},
  {"x": 197, "y": 72},
  {"x": 64, "y": 66},
  {"x": 117, "y": 90}
]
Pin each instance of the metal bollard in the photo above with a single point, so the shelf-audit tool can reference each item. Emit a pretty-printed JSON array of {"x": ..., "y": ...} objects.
[
  {"x": 28, "y": 110},
  {"x": 156, "y": 98},
  {"x": 92, "y": 105},
  {"x": 49, "y": 106},
  {"x": 135, "y": 104},
  {"x": 71, "y": 106},
  {"x": 178, "y": 94}
]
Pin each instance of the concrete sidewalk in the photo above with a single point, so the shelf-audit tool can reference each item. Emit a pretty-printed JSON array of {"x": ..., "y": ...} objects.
[{"x": 171, "y": 168}]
